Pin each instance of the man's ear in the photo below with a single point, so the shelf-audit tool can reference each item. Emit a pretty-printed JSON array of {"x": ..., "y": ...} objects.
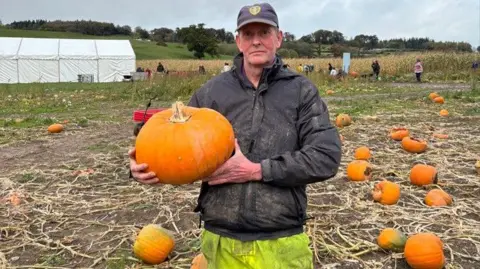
[
  {"x": 237, "y": 40},
  {"x": 279, "y": 38}
]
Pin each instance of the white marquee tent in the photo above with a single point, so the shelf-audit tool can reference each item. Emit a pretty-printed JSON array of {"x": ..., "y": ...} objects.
[{"x": 26, "y": 60}]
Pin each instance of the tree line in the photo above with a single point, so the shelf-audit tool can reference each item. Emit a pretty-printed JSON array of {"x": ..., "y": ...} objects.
[{"x": 202, "y": 40}]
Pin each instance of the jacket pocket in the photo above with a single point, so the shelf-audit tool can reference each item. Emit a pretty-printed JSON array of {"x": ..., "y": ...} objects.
[{"x": 277, "y": 208}]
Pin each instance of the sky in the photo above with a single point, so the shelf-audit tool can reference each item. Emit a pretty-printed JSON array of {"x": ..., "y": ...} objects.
[{"x": 441, "y": 20}]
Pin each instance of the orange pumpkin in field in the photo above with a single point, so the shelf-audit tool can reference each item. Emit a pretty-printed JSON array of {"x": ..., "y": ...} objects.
[
  {"x": 398, "y": 134},
  {"x": 359, "y": 170},
  {"x": 414, "y": 145},
  {"x": 423, "y": 174},
  {"x": 153, "y": 244},
  {"x": 433, "y": 95},
  {"x": 443, "y": 113},
  {"x": 362, "y": 153},
  {"x": 199, "y": 262},
  {"x": 438, "y": 197},
  {"x": 439, "y": 100},
  {"x": 55, "y": 128},
  {"x": 424, "y": 251},
  {"x": 386, "y": 192},
  {"x": 184, "y": 144},
  {"x": 343, "y": 120},
  {"x": 392, "y": 239}
]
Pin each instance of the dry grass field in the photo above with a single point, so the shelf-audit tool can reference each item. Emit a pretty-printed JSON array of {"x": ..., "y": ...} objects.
[{"x": 66, "y": 200}]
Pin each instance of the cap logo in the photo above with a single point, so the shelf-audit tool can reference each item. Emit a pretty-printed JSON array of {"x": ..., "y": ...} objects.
[{"x": 254, "y": 10}]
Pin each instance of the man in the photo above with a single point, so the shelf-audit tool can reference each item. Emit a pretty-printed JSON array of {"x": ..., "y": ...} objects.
[
  {"x": 376, "y": 69},
  {"x": 254, "y": 206}
]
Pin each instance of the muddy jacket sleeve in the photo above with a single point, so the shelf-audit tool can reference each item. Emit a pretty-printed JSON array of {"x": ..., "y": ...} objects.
[{"x": 319, "y": 155}]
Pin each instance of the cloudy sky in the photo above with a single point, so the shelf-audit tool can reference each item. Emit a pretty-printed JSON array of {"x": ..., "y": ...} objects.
[{"x": 442, "y": 20}]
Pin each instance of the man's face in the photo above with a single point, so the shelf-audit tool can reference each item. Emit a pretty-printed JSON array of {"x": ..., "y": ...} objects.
[{"x": 259, "y": 42}]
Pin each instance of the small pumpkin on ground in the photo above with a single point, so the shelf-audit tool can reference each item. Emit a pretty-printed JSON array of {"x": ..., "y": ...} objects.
[
  {"x": 359, "y": 170},
  {"x": 392, "y": 239},
  {"x": 414, "y": 145},
  {"x": 343, "y": 120},
  {"x": 438, "y": 197},
  {"x": 386, "y": 192},
  {"x": 330, "y": 92},
  {"x": 199, "y": 262},
  {"x": 433, "y": 95},
  {"x": 153, "y": 244},
  {"x": 424, "y": 251},
  {"x": 362, "y": 153},
  {"x": 184, "y": 144},
  {"x": 423, "y": 174},
  {"x": 439, "y": 100},
  {"x": 443, "y": 112},
  {"x": 398, "y": 134},
  {"x": 55, "y": 128}
]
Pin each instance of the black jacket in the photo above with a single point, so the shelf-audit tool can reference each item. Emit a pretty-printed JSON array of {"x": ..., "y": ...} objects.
[{"x": 283, "y": 125}]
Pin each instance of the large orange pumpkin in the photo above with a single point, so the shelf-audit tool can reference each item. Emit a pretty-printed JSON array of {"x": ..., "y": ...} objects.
[
  {"x": 386, "y": 192},
  {"x": 423, "y": 174},
  {"x": 424, "y": 251},
  {"x": 184, "y": 144},
  {"x": 199, "y": 262},
  {"x": 414, "y": 145},
  {"x": 153, "y": 244},
  {"x": 399, "y": 133},
  {"x": 438, "y": 197},
  {"x": 392, "y": 239},
  {"x": 55, "y": 128},
  {"x": 359, "y": 170}
]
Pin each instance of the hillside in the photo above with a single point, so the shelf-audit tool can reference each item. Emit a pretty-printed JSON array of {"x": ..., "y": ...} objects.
[{"x": 144, "y": 50}]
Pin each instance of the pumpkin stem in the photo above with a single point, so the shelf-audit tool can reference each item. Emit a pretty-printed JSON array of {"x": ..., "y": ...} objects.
[{"x": 178, "y": 114}]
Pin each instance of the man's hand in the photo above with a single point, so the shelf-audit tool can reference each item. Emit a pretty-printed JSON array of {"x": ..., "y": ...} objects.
[
  {"x": 238, "y": 169},
  {"x": 138, "y": 170}
]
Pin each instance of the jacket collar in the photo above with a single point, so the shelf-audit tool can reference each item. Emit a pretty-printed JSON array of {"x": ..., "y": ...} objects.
[{"x": 270, "y": 73}]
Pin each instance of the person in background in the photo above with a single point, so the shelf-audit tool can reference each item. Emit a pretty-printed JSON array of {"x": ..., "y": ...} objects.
[
  {"x": 160, "y": 68},
  {"x": 330, "y": 67},
  {"x": 333, "y": 72},
  {"x": 201, "y": 70},
  {"x": 300, "y": 68},
  {"x": 418, "y": 69},
  {"x": 226, "y": 68},
  {"x": 376, "y": 68},
  {"x": 254, "y": 205}
]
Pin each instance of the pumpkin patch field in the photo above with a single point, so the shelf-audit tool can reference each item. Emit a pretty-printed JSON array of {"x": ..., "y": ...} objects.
[{"x": 406, "y": 194}]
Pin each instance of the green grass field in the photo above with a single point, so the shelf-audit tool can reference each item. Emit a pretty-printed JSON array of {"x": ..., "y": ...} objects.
[{"x": 144, "y": 50}]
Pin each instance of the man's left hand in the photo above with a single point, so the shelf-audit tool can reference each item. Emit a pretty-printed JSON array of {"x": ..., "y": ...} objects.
[{"x": 238, "y": 169}]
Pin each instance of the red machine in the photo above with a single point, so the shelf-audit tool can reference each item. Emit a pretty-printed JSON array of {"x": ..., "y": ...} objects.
[{"x": 140, "y": 117}]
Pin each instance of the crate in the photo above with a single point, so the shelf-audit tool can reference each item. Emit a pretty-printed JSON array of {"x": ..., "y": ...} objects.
[{"x": 138, "y": 114}]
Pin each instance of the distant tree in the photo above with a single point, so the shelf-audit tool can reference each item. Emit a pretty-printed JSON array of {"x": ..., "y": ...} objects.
[
  {"x": 229, "y": 38},
  {"x": 288, "y": 37},
  {"x": 142, "y": 33},
  {"x": 478, "y": 49},
  {"x": 199, "y": 40}
]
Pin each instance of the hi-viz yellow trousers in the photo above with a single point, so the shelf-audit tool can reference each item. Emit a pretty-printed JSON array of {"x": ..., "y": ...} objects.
[{"x": 290, "y": 252}]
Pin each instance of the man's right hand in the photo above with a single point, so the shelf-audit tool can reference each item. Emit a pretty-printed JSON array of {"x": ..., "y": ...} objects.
[{"x": 138, "y": 170}]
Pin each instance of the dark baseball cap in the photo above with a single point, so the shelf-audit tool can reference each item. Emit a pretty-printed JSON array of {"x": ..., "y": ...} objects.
[{"x": 263, "y": 13}]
